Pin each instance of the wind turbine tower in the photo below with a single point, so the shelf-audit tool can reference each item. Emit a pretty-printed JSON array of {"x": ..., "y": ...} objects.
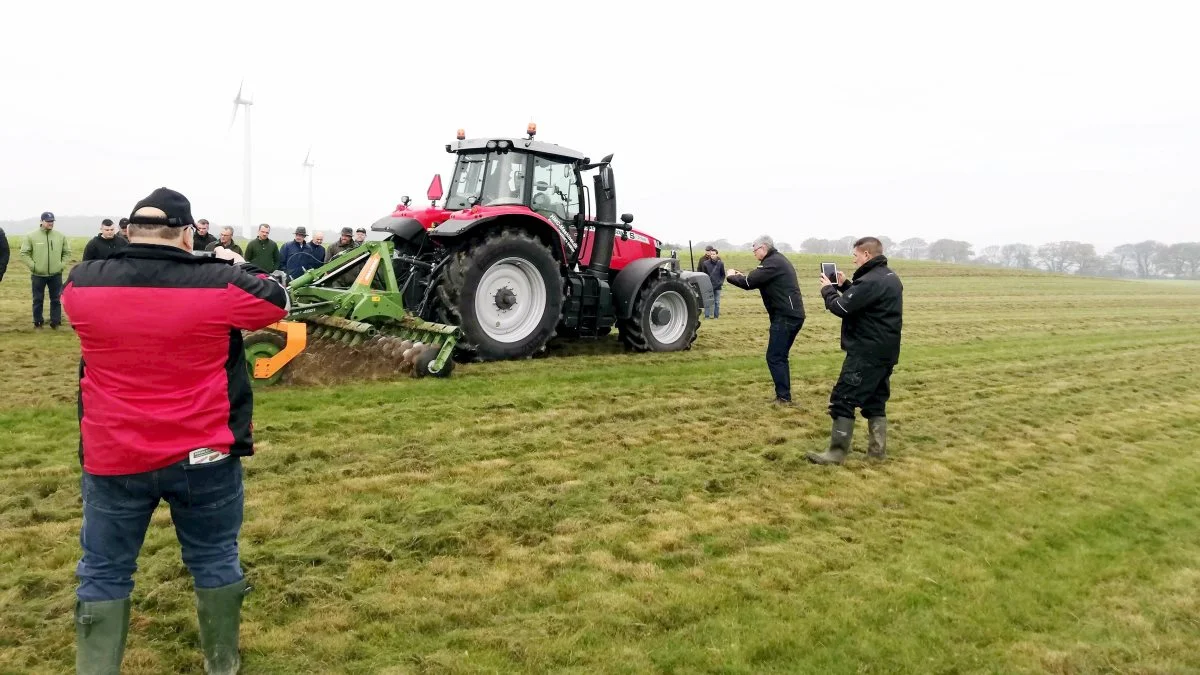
[
  {"x": 308, "y": 166},
  {"x": 247, "y": 224}
]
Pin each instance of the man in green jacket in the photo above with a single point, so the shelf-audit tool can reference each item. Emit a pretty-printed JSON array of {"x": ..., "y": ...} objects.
[
  {"x": 262, "y": 252},
  {"x": 45, "y": 252}
]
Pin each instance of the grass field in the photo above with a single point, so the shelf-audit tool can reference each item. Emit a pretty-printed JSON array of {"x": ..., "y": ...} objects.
[{"x": 596, "y": 511}]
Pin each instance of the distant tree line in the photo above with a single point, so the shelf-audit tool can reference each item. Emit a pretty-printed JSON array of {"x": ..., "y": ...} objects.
[{"x": 1144, "y": 260}]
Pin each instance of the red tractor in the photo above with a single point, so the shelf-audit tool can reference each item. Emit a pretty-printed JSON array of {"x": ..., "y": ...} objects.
[{"x": 514, "y": 256}]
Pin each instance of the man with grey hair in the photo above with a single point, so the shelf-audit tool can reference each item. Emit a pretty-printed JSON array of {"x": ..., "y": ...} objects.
[
  {"x": 225, "y": 241},
  {"x": 775, "y": 279}
]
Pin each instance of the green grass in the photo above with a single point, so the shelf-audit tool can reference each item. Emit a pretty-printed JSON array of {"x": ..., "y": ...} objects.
[{"x": 596, "y": 511}]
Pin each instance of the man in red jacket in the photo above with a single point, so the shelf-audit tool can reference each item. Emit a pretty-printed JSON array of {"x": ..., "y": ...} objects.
[{"x": 154, "y": 426}]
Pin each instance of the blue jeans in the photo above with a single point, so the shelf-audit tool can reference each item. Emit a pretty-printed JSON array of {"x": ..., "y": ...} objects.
[
  {"x": 783, "y": 333},
  {"x": 53, "y": 283},
  {"x": 716, "y": 310},
  {"x": 206, "y": 508}
]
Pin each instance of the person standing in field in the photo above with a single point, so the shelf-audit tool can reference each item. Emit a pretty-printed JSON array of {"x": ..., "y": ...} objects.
[
  {"x": 104, "y": 244},
  {"x": 123, "y": 224},
  {"x": 871, "y": 307},
  {"x": 154, "y": 429},
  {"x": 202, "y": 238},
  {"x": 775, "y": 279},
  {"x": 262, "y": 252},
  {"x": 225, "y": 241},
  {"x": 712, "y": 265},
  {"x": 4, "y": 253},
  {"x": 45, "y": 253}
]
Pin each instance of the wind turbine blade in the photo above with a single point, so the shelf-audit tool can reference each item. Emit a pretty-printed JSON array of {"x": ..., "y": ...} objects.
[
  {"x": 234, "y": 118},
  {"x": 306, "y": 156},
  {"x": 239, "y": 95}
]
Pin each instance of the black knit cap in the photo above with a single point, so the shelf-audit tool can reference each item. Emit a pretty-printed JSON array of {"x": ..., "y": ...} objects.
[{"x": 176, "y": 206}]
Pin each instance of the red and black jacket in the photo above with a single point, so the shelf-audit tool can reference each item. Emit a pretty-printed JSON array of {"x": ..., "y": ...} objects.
[{"x": 163, "y": 371}]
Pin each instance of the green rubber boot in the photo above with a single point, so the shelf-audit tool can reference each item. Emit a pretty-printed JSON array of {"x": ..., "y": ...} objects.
[
  {"x": 220, "y": 611},
  {"x": 839, "y": 443},
  {"x": 877, "y": 437},
  {"x": 100, "y": 631}
]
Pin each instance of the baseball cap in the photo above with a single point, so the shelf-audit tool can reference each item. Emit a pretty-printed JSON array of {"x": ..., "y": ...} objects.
[
  {"x": 47, "y": 216},
  {"x": 176, "y": 206},
  {"x": 362, "y": 229},
  {"x": 709, "y": 248},
  {"x": 124, "y": 222},
  {"x": 347, "y": 231},
  {"x": 301, "y": 230}
]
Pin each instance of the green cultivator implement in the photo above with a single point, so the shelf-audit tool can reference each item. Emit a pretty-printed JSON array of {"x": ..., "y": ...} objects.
[{"x": 348, "y": 317}]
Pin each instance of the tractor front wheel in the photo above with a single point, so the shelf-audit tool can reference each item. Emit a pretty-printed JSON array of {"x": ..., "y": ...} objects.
[
  {"x": 263, "y": 344},
  {"x": 665, "y": 317}
]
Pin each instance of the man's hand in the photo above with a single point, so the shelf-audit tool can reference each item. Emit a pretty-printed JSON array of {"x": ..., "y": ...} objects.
[
  {"x": 825, "y": 281},
  {"x": 732, "y": 273},
  {"x": 841, "y": 278},
  {"x": 226, "y": 254}
]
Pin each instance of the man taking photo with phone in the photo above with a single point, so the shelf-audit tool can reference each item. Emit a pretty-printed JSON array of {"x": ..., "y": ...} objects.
[
  {"x": 871, "y": 307},
  {"x": 155, "y": 426}
]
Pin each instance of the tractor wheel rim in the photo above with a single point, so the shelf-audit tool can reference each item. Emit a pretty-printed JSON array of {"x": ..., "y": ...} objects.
[
  {"x": 672, "y": 304},
  {"x": 518, "y": 277}
]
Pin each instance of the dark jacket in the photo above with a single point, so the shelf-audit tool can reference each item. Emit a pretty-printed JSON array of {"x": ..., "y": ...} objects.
[
  {"x": 715, "y": 269},
  {"x": 100, "y": 248},
  {"x": 263, "y": 254},
  {"x": 871, "y": 307},
  {"x": 5, "y": 253},
  {"x": 337, "y": 247},
  {"x": 775, "y": 279},
  {"x": 200, "y": 242},
  {"x": 232, "y": 247},
  {"x": 296, "y": 259},
  {"x": 138, "y": 409}
]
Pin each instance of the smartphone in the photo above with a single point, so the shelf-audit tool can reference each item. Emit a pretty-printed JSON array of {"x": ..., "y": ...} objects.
[{"x": 830, "y": 271}]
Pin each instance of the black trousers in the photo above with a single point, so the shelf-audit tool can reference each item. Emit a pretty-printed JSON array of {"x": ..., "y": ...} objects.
[{"x": 863, "y": 384}]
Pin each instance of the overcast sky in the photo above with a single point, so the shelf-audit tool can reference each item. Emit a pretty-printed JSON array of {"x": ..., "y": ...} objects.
[{"x": 990, "y": 122}]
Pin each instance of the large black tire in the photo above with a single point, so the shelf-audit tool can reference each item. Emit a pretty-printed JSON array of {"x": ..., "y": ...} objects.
[
  {"x": 665, "y": 317},
  {"x": 505, "y": 291}
]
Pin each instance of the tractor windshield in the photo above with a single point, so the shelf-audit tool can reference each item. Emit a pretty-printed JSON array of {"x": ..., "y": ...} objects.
[{"x": 488, "y": 179}]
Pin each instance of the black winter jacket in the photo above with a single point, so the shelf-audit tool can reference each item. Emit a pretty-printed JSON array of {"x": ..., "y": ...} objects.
[
  {"x": 871, "y": 307},
  {"x": 715, "y": 269},
  {"x": 775, "y": 279},
  {"x": 100, "y": 248}
]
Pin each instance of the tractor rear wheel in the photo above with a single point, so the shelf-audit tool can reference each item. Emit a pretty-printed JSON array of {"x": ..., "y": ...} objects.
[
  {"x": 665, "y": 317},
  {"x": 262, "y": 344},
  {"x": 505, "y": 291}
]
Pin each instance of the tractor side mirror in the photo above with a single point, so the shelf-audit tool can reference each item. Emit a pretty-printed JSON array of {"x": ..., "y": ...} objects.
[
  {"x": 406, "y": 200},
  {"x": 435, "y": 188},
  {"x": 627, "y": 218}
]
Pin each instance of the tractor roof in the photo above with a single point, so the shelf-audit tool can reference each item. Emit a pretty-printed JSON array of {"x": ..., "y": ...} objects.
[{"x": 524, "y": 144}]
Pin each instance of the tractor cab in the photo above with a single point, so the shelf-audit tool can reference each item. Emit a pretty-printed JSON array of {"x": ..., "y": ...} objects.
[{"x": 541, "y": 177}]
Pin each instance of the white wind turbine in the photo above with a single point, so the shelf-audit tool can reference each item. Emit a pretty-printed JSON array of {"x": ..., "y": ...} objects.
[
  {"x": 308, "y": 166},
  {"x": 247, "y": 224}
]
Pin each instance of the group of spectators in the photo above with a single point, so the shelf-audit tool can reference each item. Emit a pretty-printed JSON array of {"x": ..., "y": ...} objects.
[{"x": 45, "y": 252}]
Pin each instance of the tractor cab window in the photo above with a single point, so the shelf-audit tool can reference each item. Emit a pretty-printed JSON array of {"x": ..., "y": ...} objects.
[
  {"x": 555, "y": 190},
  {"x": 489, "y": 179}
]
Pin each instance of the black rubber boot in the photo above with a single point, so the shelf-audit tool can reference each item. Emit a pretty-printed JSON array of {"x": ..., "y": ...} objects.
[
  {"x": 877, "y": 437},
  {"x": 220, "y": 611},
  {"x": 840, "y": 437},
  {"x": 100, "y": 631}
]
